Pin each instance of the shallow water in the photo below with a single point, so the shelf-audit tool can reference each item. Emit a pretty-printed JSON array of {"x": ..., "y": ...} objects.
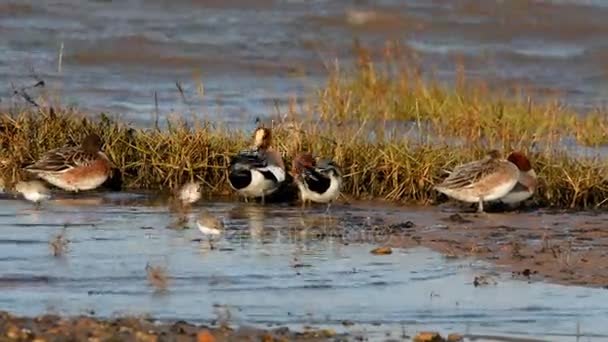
[
  {"x": 252, "y": 55},
  {"x": 268, "y": 271}
]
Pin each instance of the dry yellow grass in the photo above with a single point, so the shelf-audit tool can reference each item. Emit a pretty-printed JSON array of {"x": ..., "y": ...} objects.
[{"x": 392, "y": 132}]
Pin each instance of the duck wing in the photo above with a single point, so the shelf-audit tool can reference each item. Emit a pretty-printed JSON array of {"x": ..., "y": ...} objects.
[
  {"x": 60, "y": 160},
  {"x": 316, "y": 179},
  {"x": 469, "y": 174},
  {"x": 248, "y": 159}
]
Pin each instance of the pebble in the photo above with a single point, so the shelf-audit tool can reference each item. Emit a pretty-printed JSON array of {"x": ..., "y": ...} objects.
[
  {"x": 455, "y": 338},
  {"x": 204, "y": 336},
  {"x": 13, "y": 332},
  {"x": 382, "y": 251},
  {"x": 428, "y": 337},
  {"x": 144, "y": 337}
]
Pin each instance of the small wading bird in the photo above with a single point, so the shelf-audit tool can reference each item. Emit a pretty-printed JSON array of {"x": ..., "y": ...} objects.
[
  {"x": 209, "y": 226},
  {"x": 526, "y": 185},
  {"x": 258, "y": 171},
  {"x": 317, "y": 182},
  {"x": 488, "y": 179},
  {"x": 33, "y": 191},
  {"x": 189, "y": 193},
  {"x": 74, "y": 168},
  {"x": 180, "y": 203}
]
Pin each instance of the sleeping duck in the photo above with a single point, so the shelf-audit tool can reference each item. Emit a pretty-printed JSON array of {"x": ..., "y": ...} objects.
[
  {"x": 318, "y": 182},
  {"x": 526, "y": 186},
  {"x": 488, "y": 179},
  {"x": 258, "y": 171}
]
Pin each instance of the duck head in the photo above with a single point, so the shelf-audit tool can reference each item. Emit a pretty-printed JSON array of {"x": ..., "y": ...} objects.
[{"x": 262, "y": 138}]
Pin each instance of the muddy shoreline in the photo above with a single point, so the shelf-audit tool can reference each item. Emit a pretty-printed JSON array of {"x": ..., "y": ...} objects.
[
  {"x": 85, "y": 328},
  {"x": 565, "y": 247}
]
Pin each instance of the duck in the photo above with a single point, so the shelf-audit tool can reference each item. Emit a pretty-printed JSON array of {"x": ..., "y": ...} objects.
[
  {"x": 209, "y": 226},
  {"x": 318, "y": 182},
  {"x": 526, "y": 184},
  {"x": 257, "y": 171},
  {"x": 487, "y": 179},
  {"x": 74, "y": 168},
  {"x": 34, "y": 191}
]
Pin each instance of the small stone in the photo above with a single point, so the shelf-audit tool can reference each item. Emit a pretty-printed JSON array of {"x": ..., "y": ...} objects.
[
  {"x": 479, "y": 249},
  {"x": 428, "y": 337},
  {"x": 125, "y": 330},
  {"x": 327, "y": 333},
  {"x": 348, "y": 323},
  {"x": 144, "y": 337},
  {"x": 267, "y": 338},
  {"x": 382, "y": 251},
  {"x": 204, "y": 336},
  {"x": 455, "y": 338},
  {"x": 13, "y": 332}
]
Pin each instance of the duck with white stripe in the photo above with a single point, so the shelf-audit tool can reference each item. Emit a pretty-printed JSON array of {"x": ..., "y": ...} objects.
[
  {"x": 258, "y": 171},
  {"x": 319, "y": 180}
]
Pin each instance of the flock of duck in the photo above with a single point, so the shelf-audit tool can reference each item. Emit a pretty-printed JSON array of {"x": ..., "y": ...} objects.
[{"x": 259, "y": 171}]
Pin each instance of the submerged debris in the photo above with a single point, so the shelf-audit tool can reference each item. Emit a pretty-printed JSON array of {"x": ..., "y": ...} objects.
[
  {"x": 157, "y": 277},
  {"x": 180, "y": 222},
  {"x": 58, "y": 244},
  {"x": 483, "y": 280}
]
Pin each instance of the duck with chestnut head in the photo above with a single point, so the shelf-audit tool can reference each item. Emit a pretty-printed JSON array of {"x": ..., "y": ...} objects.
[
  {"x": 487, "y": 179},
  {"x": 526, "y": 184},
  {"x": 258, "y": 171},
  {"x": 318, "y": 180},
  {"x": 74, "y": 168}
]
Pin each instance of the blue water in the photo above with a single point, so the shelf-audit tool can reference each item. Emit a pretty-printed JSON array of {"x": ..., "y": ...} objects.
[{"x": 251, "y": 57}]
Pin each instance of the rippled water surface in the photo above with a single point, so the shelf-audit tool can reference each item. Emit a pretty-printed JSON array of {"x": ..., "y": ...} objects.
[
  {"x": 237, "y": 59},
  {"x": 267, "y": 271}
]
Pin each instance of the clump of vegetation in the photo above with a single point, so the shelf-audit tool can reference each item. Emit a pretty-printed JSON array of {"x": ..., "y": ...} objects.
[{"x": 392, "y": 132}]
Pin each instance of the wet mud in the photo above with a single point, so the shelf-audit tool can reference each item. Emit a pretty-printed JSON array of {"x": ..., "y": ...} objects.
[{"x": 560, "y": 246}]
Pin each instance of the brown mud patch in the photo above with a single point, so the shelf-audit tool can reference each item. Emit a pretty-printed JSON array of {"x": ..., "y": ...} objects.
[
  {"x": 139, "y": 50},
  {"x": 223, "y": 4},
  {"x": 12, "y": 9},
  {"x": 484, "y": 21},
  {"x": 564, "y": 247}
]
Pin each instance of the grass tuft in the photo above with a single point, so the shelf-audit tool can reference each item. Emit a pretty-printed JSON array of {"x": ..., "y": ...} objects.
[{"x": 393, "y": 132}]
